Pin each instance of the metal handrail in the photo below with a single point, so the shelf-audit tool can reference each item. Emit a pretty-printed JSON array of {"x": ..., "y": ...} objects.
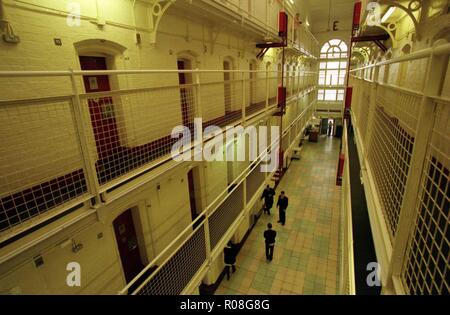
[{"x": 424, "y": 53}]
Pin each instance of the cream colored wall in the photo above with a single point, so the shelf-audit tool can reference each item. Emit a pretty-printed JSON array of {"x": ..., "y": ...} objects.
[
  {"x": 162, "y": 219},
  {"x": 31, "y": 151},
  {"x": 143, "y": 117}
]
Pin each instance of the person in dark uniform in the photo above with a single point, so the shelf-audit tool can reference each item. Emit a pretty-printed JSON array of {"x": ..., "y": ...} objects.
[
  {"x": 330, "y": 128},
  {"x": 282, "y": 205},
  {"x": 268, "y": 195},
  {"x": 229, "y": 258},
  {"x": 269, "y": 236}
]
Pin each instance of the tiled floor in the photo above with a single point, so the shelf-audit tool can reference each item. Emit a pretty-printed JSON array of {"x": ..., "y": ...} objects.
[{"x": 305, "y": 259}]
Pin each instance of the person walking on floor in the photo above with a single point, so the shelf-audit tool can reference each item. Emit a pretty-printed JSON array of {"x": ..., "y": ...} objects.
[
  {"x": 282, "y": 205},
  {"x": 330, "y": 128},
  {"x": 269, "y": 236},
  {"x": 229, "y": 258},
  {"x": 268, "y": 195}
]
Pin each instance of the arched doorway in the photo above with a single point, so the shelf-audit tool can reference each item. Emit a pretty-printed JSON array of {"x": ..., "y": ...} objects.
[
  {"x": 187, "y": 98},
  {"x": 228, "y": 78}
]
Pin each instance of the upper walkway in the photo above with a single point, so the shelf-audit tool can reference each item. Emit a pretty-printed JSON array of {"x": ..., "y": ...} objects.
[{"x": 306, "y": 252}]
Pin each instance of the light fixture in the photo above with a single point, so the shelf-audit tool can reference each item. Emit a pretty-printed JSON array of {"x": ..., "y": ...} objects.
[
  {"x": 387, "y": 14},
  {"x": 291, "y": 1},
  {"x": 307, "y": 23}
]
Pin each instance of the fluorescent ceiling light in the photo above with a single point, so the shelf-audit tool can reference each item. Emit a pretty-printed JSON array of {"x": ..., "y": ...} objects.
[{"x": 387, "y": 14}]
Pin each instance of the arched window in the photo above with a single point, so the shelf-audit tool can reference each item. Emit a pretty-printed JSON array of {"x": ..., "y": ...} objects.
[{"x": 332, "y": 70}]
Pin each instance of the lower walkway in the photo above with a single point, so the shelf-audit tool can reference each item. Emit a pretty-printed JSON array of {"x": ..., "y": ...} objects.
[{"x": 305, "y": 259}]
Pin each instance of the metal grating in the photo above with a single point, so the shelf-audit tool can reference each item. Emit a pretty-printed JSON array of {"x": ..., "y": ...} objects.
[
  {"x": 122, "y": 137},
  {"x": 363, "y": 118},
  {"x": 222, "y": 218},
  {"x": 38, "y": 173},
  {"x": 426, "y": 267},
  {"x": 390, "y": 149},
  {"x": 178, "y": 271},
  {"x": 254, "y": 180}
]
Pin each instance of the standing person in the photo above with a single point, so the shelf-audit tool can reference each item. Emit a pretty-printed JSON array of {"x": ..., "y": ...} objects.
[
  {"x": 282, "y": 205},
  {"x": 229, "y": 258},
  {"x": 269, "y": 236},
  {"x": 268, "y": 195},
  {"x": 330, "y": 127}
]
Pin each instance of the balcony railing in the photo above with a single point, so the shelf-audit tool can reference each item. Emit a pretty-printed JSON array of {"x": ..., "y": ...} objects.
[
  {"x": 347, "y": 280},
  {"x": 401, "y": 118},
  {"x": 330, "y": 107},
  {"x": 264, "y": 14},
  {"x": 184, "y": 263},
  {"x": 60, "y": 151}
]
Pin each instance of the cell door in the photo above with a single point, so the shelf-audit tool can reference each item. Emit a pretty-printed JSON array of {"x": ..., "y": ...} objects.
[
  {"x": 128, "y": 245},
  {"x": 186, "y": 95},
  {"x": 101, "y": 109},
  {"x": 192, "y": 195},
  {"x": 251, "y": 85},
  {"x": 227, "y": 86}
]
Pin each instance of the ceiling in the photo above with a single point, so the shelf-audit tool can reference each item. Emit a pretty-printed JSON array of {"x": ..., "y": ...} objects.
[{"x": 320, "y": 11}]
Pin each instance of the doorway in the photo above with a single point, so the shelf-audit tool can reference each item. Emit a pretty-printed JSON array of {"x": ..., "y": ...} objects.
[
  {"x": 186, "y": 94},
  {"x": 128, "y": 246},
  {"x": 227, "y": 85},
  {"x": 192, "y": 199},
  {"x": 252, "y": 83},
  {"x": 323, "y": 126},
  {"x": 194, "y": 194},
  {"x": 230, "y": 158},
  {"x": 331, "y": 126},
  {"x": 101, "y": 109}
]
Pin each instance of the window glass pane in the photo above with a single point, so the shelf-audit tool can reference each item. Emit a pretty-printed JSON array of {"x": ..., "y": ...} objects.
[
  {"x": 343, "y": 46},
  {"x": 325, "y": 47},
  {"x": 320, "y": 95},
  {"x": 334, "y": 42},
  {"x": 332, "y": 77},
  {"x": 330, "y": 95},
  {"x": 321, "y": 80},
  {"x": 343, "y": 64},
  {"x": 334, "y": 55},
  {"x": 323, "y": 65},
  {"x": 340, "y": 95},
  {"x": 333, "y": 65},
  {"x": 323, "y": 55},
  {"x": 341, "y": 77}
]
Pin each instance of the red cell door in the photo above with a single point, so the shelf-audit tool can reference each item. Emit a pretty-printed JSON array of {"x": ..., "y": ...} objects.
[
  {"x": 128, "y": 246},
  {"x": 101, "y": 108}
]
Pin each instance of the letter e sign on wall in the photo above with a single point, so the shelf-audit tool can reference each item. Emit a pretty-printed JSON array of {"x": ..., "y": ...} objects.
[{"x": 335, "y": 25}]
